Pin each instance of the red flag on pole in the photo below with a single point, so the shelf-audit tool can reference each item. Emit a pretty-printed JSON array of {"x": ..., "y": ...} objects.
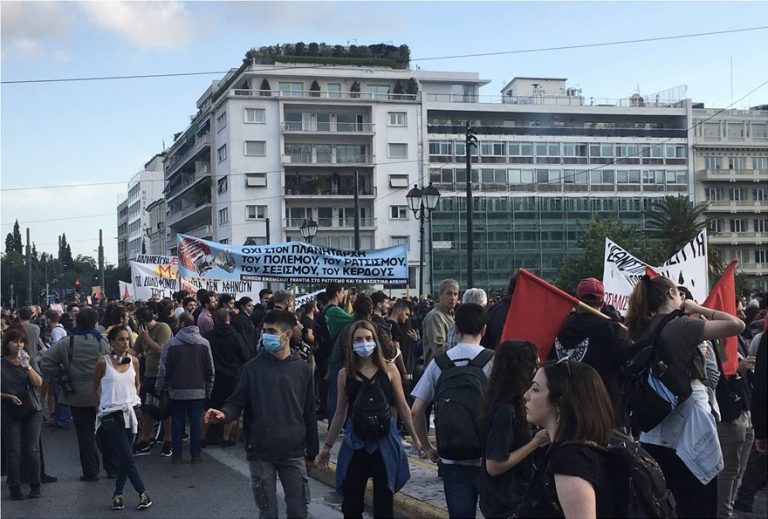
[
  {"x": 650, "y": 272},
  {"x": 723, "y": 298},
  {"x": 537, "y": 312}
]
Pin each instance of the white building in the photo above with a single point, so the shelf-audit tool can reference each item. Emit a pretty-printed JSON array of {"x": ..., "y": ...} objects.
[{"x": 144, "y": 188}]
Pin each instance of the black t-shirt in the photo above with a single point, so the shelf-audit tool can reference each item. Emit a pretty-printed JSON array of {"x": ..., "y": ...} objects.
[
  {"x": 354, "y": 383},
  {"x": 396, "y": 331},
  {"x": 570, "y": 459},
  {"x": 501, "y": 495},
  {"x": 15, "y": 381}
]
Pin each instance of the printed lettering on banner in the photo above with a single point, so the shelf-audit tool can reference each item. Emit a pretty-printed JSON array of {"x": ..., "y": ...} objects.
[{"x": 154, "y": 280}]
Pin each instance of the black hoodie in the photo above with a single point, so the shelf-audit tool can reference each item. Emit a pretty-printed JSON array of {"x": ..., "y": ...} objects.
[{"x": 599, "y": 342}]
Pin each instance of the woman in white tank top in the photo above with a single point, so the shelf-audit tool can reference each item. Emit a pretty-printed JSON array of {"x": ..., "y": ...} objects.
[{"x": 116, "y": 386}]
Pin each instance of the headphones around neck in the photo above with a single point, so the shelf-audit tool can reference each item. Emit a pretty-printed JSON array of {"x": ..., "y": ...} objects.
[{"x": 122, "y": 360}]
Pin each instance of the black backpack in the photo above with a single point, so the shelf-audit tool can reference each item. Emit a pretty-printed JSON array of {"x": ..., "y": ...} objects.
[
  {"x": 323, "y": 339},
  {"x": 640, "y": 489},
  {"x": 458, "y": 394},
  {"x": 370, "y": 411},
  {"x": 649, "y": 373}
]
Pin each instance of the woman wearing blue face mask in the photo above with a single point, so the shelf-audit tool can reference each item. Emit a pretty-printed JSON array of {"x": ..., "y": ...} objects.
[{"x": 370, "y": 391}]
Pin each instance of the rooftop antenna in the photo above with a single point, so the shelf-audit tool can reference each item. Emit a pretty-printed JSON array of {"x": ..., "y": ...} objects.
[{"x": 731, "y": 80}]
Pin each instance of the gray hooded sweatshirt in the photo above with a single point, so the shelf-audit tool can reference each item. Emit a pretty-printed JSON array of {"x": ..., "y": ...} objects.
[{"x": 186, "y": 366}]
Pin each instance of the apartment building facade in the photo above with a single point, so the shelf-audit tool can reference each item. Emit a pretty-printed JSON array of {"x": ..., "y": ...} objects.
[{"x": 730, "y": 163}]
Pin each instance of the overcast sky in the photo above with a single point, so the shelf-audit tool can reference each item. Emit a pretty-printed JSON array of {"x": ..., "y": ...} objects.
[{"x": 90, "y": 132}]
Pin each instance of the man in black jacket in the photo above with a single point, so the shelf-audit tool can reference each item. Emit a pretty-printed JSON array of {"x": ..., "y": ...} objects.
[
  {"x": 595, "y": 340},
  {"x": 278, "y": 388}
]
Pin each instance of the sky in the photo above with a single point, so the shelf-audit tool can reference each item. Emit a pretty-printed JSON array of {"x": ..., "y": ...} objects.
[{"x": 97, "y": 134}]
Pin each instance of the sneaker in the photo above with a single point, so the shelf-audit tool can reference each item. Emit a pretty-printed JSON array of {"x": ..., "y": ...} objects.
[
  {"x": 117, "y": 502},
  {"x": 144, "y": 501},
  {"x": 166, "y": 450},
  {"x": 185, "y": 436},
  {"x": 45, "y": 478},
  {"x": 142, "y": 448},
  {"x": 34, "y": 492}
]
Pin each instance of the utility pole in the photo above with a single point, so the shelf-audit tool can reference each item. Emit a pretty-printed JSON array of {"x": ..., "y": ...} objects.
[
  {"x": 471, "y": 140},
  {"x": 357, "y": 210},
  {"x": 101, "y": 266},
  {"x": 29, "y": 269}
]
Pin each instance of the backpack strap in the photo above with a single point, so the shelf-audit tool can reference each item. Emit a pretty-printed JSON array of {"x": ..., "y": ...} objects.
[
  {"x": 444, "y": 362},
  {"x": 482, "y": 358},
  {"x": 657, "y": 332}
]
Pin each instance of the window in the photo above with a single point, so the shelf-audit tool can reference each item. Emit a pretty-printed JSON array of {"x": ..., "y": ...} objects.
[
  {"x": 441, "y": 147},
  {"x": 224, "y": 241},
  {"x": 291, "y": 89},
  {"x": 758, "y": 194},
  {"x": 520, "y": 149},
  {"x": 293, "y": 121},
  {"x": 675, "y": 151},
  {"x": 760, "y": 163},
  {"x": 715, "y": 224},
  {"x": 223, "y": 216},
  {"x": 334, "y": 90},
  {"x": 713, "y": 163},
  {"x": 520, "y": 176},
  {"x": 760, "y": 225},
  {"x": 493, "y": 148},
  {"x": 737, "y": 163},
  {"x": 255, "y": 115},
  {"x": 493, "y": 176},
  {"x": 377, "y": 91},
  {"x": 255, "y": 180},
  {"x": 255, "y": 212},
  {"x": 221, "y": 153},
  {"x": 255, "y": 148},
  {"x": 398, "y": 150},
  {"x": 601, "y": 176},
  {"x": 738, "y": 194},
  {"x": 571, "y": 149},
  {"x": 737, "y": 225},
  {"x": 398, "y": 212},
  {"x": 400, "y": 240},
  {"x": 676, "y": 176},
  {"x": 223, "y": 187},
  {"x": 256, "y": 240},
  {"x": 653, "y": 176},
  {"x": 628, "y": 177},
  {"x": 714, "y": 194},
  {"x": 547, "y": 149},
  {"x": 761, "y": 256},
  {"x": 398, "y": 119},
  {"x": 626, "y": 150},
  {"x": 221, "y": 121},
  {"x": 398, "y": 181},
  {"x": 574, "y": 176}
]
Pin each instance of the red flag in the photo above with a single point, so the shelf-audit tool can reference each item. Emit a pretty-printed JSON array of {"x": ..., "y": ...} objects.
[
  {"x": 650, "y": 272},
  {"x": 537, "y": 312},
  {"x": 723, "y": 298}
]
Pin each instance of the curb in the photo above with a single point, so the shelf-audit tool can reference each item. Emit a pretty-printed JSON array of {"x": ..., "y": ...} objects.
[{"x": 404, "y": 505}]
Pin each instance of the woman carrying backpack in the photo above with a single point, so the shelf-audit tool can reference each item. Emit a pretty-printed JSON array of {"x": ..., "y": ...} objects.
[
  {"x": 685, "y": 443},
  {"x": 569, "y": 401},
  {"x": 508, "y": 439},
  {"x": 369, "y": 391}
]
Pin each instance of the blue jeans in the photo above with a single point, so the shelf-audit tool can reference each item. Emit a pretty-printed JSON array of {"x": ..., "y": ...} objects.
[
  {"x": 461, "y": 484},
  {"x": 120, "y": 438},
  {"x": 62, "y": 414},
  {"x": 333, "y": 390},
  {"x": 181, "y": 410}
]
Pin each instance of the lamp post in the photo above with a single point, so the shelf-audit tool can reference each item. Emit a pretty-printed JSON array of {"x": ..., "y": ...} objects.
[
  {"x": 422, "y": 202},
  {"x": 308, "y": 229}
]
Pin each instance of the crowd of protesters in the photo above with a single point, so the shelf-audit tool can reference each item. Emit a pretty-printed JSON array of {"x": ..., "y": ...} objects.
[{"x": 510, "y": 431}]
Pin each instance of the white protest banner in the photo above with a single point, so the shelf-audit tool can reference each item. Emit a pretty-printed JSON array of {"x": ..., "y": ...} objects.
[
  {"x": 156, "y": 260},
  {"x": 153, "y": 280},
  {"x": 622, "y": 271},
  {"x": 236, "y": 289},
  {"x": 294, "y": 262},
  {"x": 126, "y": 291},
  {"x": 306, "y": 298}
]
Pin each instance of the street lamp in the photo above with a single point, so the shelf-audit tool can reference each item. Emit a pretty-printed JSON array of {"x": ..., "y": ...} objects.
[
  {"x": 308, "y": 230},
  {"x": 422, "y": 202}
]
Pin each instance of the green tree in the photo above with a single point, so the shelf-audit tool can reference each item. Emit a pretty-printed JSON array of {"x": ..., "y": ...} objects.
[
  {"x": 675, "y": 221},
  {"x": 13, "y": 241}
]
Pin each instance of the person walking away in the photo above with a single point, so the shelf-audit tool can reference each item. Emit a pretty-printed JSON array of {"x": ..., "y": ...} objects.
[
  {"x": 74, "y": 357},
  {"x": 685, "y": 443},
  {"x": 278, "y": 389},
  {"x": 569, "y": 401},
  {"x": 22, "y": 414},
  {"x": 152, "y": 337},
  {"x": 186, "y": 371},
  {"x": 508, "y": 440},
  {"x": 369, "y": 393},
  {"x": 329, "y": 324},
  {"x": 455, "y": 381},
  {"x": 116, "y": 385}
]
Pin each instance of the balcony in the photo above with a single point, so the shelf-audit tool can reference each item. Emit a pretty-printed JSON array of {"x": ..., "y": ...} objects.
[
  {"x": 331, "y": 223},
  {"x": 733, "y": 175},
  {"x": 738, "y": 206},
  {"x": 753, "y": 269},
  {"x": 572, "y": 100},
  {"x": 178, "y": 160},
  {"x": 184, "y": 182},
  {"x": 189, "y": 213},
  {"x": 738, "y": 238},
  {"x": 325, "y": 96},
  {"x": 309, "y": 159},
  {"x": 340, "y": 128},
  {"x": 305, "y": 190}
]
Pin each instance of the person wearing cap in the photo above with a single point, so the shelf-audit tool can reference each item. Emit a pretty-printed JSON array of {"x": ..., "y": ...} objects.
[{"x": 598, "y": 341}]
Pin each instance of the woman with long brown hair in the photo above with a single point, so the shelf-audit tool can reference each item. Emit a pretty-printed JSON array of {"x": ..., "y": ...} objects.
[{"x": 371, "y": 447}]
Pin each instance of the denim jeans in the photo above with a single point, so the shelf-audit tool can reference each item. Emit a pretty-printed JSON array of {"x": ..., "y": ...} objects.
[
  {"x": 121, "y": 439},
  {"x": 333, "y": 389},
  {"x": 180, "y": 411},
  {"x": 21, "y": 439},
  {"x": 62, "y": 414},
  {"x": 461, "y": 484},
  {"x": 293, "y": 477}
]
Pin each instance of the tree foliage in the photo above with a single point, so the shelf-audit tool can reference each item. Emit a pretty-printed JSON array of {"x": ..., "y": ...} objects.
[{"x": 675, "y": 221}]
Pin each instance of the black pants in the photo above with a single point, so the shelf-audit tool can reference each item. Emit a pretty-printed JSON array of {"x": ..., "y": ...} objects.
[
  {"x": 22, "y": 440},
  {"x": 693, "y": 499},
  {"x": 85, "y": 423},
  {"x": 754, "y": 479},
  {"x": 366, "y": 465}
]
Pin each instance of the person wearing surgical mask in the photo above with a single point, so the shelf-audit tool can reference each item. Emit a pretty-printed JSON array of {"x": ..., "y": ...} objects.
[
  {"x": 361, "y": 454},
  {"x": 277, "y": 388}
]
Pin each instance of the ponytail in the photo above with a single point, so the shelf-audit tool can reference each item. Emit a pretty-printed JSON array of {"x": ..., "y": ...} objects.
[{"x": 646, "y": 298}]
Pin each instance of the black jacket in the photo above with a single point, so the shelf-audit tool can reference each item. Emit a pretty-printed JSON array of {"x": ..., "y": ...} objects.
[
  {"x": 243, "y": 325},
  {"x": 759, "y": 390},
  {"x": 497, "y": 316},
  {"x": 280, "y": 395},
  {"x": 599, "y": 342},
  {"x": 228, "y": 349}
]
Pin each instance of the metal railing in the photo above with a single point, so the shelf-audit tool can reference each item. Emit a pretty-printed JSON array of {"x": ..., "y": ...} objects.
[
  {"x": 326, "y": 94},
  {"x": 340, "y": 222},
  {"x": 550, "y": 100},
  {"x": 304, "y": 189},
  {"x": 337, "y": 127},
  {"x": 308, "y": 158}
]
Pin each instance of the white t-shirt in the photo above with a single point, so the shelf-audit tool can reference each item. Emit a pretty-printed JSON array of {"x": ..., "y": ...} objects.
[{"x": 425, "y": 389}]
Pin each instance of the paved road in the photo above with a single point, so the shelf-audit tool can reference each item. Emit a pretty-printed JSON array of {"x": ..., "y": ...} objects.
[{"x": 218, "y": 487}]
